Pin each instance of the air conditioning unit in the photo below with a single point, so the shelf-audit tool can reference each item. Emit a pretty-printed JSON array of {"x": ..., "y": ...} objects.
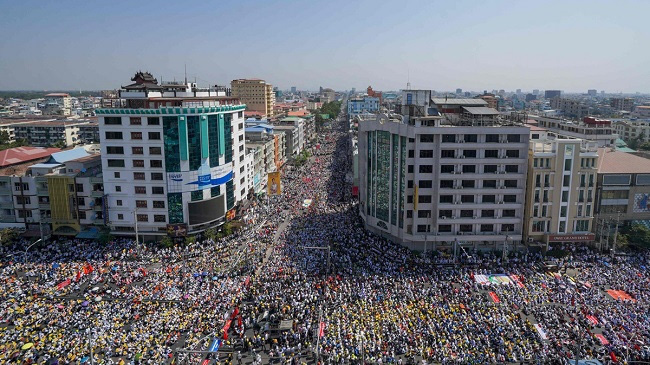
[
  {"x": 461, "y": 141},
  {"x": 443, "y": 217},
  {"x": 453, "y": 217},
  {"x": 475, "y": 217},
  {"x": 456, "y": 202},
  {"x": 502, "y": 187},
  {"x": 460, "y": 233},
  {"x": 500, "y": 202},
  {"x": 462, "y": 156}
]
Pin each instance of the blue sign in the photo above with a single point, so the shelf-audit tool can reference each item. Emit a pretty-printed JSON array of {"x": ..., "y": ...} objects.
[
  {"x": 215, "y": 345},
  {"x": 204, "y": 180}
]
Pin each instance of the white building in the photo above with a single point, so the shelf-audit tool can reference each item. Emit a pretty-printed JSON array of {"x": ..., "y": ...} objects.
[{"x": 173, "y": 156}]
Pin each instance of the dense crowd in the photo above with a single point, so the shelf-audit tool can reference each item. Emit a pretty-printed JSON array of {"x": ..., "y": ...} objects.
[{"x": 370, "y": 300}]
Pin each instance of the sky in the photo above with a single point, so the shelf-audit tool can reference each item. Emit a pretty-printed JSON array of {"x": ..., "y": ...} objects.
[{"x": 439, "y": 45}]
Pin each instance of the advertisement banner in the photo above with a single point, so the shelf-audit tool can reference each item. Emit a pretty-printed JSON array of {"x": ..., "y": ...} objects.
[
  {"x": 177, "y": 230},
  {"x": 204, "y": 178},
  {"x": 641, "y": 203},
  {"x": 571, "y": 237},
  {"x": 274, "y": 186}
]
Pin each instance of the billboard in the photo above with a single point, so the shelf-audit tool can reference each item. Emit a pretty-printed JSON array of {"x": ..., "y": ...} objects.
[
  {"x": 571, "y": 237},
  {"x": 641, "y": 203},
  {"x": 203, "y": 178},
  {"x": 274, "y": 186},
  {"x": 207, "y": 210},
  {"x": 177, "y": 230}
]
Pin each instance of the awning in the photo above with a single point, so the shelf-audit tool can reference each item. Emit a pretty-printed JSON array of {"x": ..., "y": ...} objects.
[{"x": 89, "y": 233}]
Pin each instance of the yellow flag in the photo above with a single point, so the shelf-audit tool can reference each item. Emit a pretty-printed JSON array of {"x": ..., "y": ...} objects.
[{"x": 415, "y": 199}]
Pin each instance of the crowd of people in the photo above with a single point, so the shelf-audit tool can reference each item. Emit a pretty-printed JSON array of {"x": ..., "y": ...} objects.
[{"x": 303, "y": 281}]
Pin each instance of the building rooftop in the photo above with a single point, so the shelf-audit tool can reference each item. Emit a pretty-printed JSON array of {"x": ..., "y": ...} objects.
[
  {"x": 480, "y": 110},
  {"x": 69, "y": 155},
  {"x": 18, "y": 155},
  {"x": 617, "y": 162},
  {"x": 58, "y": 95},
  {"x": 453, "y": 101}
]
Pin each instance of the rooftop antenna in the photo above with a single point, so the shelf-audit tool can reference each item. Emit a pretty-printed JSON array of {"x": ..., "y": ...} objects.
[
  {"x": 408, "y": 80},
  {"x": 186, "y": 74}
]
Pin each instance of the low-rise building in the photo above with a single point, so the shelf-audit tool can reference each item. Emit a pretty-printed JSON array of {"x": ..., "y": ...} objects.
[
  {"x": 570, "y": 108},
  {"x": 591, "y": 129},
  {"x": 626, "y": 104},
  {"x": 362, "y": 105}
]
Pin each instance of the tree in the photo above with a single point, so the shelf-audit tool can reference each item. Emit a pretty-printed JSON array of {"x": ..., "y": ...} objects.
[
  {"x": 621, "y": 240},
  {"x": 8, "y": 236},
  {"x": 639, "y": 235},
  {"x": 4, "y": 137},
  {"x": 190, "y": 239},
  {"x": 166, "y": 242},
  {"x": 645, "y": 146},
  {"x": 210, "y": 234}
]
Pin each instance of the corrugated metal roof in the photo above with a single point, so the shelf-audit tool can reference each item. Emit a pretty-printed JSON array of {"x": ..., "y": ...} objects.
[
  {"x": 451, "y": 101},
  {"x": 65, "y": 156},
  {"x": 480, "y": 110}
]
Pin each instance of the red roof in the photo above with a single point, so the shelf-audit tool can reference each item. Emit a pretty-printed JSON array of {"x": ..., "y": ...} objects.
[
  {"x": 13, "y": 156},
  {"x": 299, "y": 113},
  {"x": 58, "y": 94},
  {"x": 252, "y": 113}
]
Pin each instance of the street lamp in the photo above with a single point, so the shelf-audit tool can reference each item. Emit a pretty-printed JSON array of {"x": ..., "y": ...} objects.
[{"x": 30, "y": 246}]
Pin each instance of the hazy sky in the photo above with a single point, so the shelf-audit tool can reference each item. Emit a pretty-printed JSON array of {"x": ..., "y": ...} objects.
[{"x": 443, "y": 45}]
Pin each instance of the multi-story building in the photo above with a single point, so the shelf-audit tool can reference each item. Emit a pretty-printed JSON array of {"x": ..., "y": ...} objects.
[
  {"x": 88, "y": 133},
  {"x": 58, "y": 103},
  {"x": 257, "y": 94},
  {"x": 622, "y": 104},
  {"x": 633, "y": 129},
  {"x": 260, "y": 131},
  {"x": 327, "y": 95},
  {"x": 642, "y": 111},
  {"x": 561, "y": 189},
  {"x": 366, "y": 104},
  {"x": 444, "y": 172},
  {"x": 172, "y": 157},
  {"x": 45, "y": 133},
  {"x": 591, "y": 129},
  {"x": 570, "y": 108},
  {"x": 592, "y": 92},
  {"x": 550, "y": 94},
  {"x": 623, "y": 188}
]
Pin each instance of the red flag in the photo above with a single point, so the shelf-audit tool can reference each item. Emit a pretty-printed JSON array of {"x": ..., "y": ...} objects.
[
  {"x": 613, "y": 356},
  {"x": 321, "y": 329},
  {"x": 234, "y": 313},
  {"x": 78, "y": 276},
  {"x": 239, "y": 322},
  {"x": 63, "y": 284}
]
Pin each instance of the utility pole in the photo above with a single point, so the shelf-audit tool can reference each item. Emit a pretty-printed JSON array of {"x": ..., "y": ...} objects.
[
  {"x": 135, "y": 217},
  {"x": 600, "y": 241},
  {"x": 618, "y": 218},
  {"x": 455, "y": 251},
  {"x": 503, "y": 254}
]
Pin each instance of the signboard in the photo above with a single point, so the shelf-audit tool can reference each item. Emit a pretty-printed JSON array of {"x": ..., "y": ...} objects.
[
  {"x": 274, "y": 186},
  {"x": 204, "y": 178},
  {"x": 214, "y": 347},
  {"x": 571, "y": 237},
  {"x": 230, "y": 215},
  {"x": 177, "y": 230}
]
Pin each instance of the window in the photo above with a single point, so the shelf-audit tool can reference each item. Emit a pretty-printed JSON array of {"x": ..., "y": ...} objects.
[
  {"x": 514, "y": 138},
  {"x": 112, "y": 121},
  {"x": 424, "y": 199},
  {"x": 159, "y": 218},
  {"x": 82, "y": 214},
  {"x": 426, "y": 138},
  {"x": 562, "y": 227},
  {"x": 446, "y": 169},
  {"x": 487, "y": 213},
  {"x": 507, "y": 228},
  {"x": 470, "y": 138},
  {"x": 115, "y": 163},
  {"x": 535, "y": 162},
  {"x": 120, "y": 216},
  {"x": 536, "y": 199},
  {"x": 138, "y": 176},
  {"x": 140, "y": 190},
  {"x": 615, "y": 194},
  {"x": 582, "y": 225},
  {"x": 489, "y": 199},
  {"x": 155, "y": 151},
  {"x": 158, "y": 204},
  {"x": 566, "y": 180},
  {"x": 467, "y": 198},
  {"x": 153, "y": 121},
  {"x": 611, "y": 209},
  {"x": 469, "y": 153},
  {"x": 423, "y": 228},
  {"x": 113, "y": 135},
  {"x": 468, "y": 183},
  {"x": 565, "y": 196},
  {"x": 425, "y": 184},
  {"x": 448, "y": 138},
  {"x": 155, "y": 163},
  {"x": 512, "y": 153},
  {"x": 446, "y": 228},
  {"x": 567, "y": 164},
  {"x": 465, "y": 227},
  {"x": 409, "y": 214},
  {"x": 136, "y": 135},
  {"x": 539, "y": 226},
  {"x": 489, "y": 169},
  {"x": 135, "y": 121},
  {"x": 410, "y": 169},
  {"x": 492, "y": 138},
  {"x": 138, "y": 163},
  {"x": 116, "y": 174},
  {"x": 410, "y": 184},
  {"x": 114, "y": 150},
  {"x": 510, "y": 198},
  {"x": 118, "y": 189},
  {"x": 512, "y": 169},
  {"x": 118, "y": 203},
  {"x": 466, "y": 213},
  {"x": 411, "y": 153},
  {"x": 156, "y": 176},
  {"x": 157, "y": 190},
  {"x": 23, "y": 200},
  {"x": 154, "y": 135},
  {"x": 544, "y": 210},
  {"x": 426, "y": 169},
  {"x": 424, "y": 214},
  {"x": 490, "y": 184},
  {"x": 426, "y": 153},
  {"x": 409, "y": 199},
  {"x": 444, "y": 213},
  {"x": 469, "y": 169},
  {"x": 491, "y": 153},
  {"x": 616, "y": 179},
  {"x": 487, "y": 228},
  {"x": 143, "y": 218},
  {"x": 579, "y": 211},
  {"x": 141, "y": 203},
  {"x": 447, "y": 154},
  {"x": 563, "y": 211},
  {"x": 446, "y": 184},
  {"x": 510, "y": 183},
  {"x": 446, "y": 198},
  {"x": 509, "y": 213}
]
